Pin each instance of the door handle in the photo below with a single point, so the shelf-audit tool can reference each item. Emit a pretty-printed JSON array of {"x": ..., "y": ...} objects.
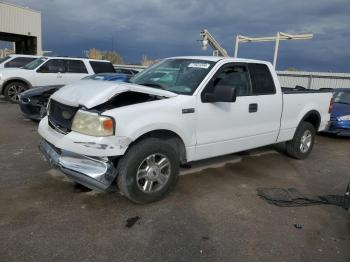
[{"x": 253, "y": 108}]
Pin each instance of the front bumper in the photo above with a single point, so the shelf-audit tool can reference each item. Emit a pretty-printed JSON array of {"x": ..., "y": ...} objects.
[
  {"x": 92, "y": 172},
  {"x": 341, "y": 128},
  {"x": 32, "y": 110}
]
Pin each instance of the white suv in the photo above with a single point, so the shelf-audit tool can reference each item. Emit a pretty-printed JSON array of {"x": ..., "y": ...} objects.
[
  {"x": 48, "y": 71},
  {"x": 16, "y": 60}
]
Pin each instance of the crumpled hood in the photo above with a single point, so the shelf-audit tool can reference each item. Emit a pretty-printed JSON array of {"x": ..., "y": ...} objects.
[{"x": 91, "y": 93}]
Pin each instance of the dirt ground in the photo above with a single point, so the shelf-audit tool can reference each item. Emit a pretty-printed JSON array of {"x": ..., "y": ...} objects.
[{"x": 213, "y": 215}]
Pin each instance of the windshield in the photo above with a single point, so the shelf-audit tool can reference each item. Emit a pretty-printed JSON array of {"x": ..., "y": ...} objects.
[
  {"x": 342, "y": 97},
  {"x": 34, "y": 64},
  {"x": 181, "y": 76},
  {"x": 4, "y": 59}
]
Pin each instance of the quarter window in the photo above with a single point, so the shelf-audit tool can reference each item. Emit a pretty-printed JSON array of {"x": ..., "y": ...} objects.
[
  {"x": 102, "y": 67},
  {"x": 261, "y": 80}
]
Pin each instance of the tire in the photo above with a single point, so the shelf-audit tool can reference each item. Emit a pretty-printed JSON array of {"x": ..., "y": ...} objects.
[
  {"x": 12, "y": 91},
  {"x": 141, "y": 186},
  {"x": 303, "y": 141}
]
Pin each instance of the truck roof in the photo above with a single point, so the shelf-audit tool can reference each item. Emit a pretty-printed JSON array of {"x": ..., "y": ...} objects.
[{"x": 219, "y": 58}]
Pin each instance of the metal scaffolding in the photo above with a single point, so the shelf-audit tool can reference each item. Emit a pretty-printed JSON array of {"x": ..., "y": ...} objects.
[{"x": 279, "y": 37}]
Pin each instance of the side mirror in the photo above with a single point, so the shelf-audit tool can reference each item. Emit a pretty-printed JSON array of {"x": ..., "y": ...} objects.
[{"x": 221, "y": 94}]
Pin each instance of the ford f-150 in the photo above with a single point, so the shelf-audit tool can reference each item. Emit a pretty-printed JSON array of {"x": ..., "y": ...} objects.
[{"x": 179, "y": 110}]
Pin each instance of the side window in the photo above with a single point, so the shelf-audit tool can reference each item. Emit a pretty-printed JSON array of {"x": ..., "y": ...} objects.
[
  {"x": 76, "y": 66},
  {"x": 261, "y": 80},
  {"x": 233, "y": 76},
  {"x": 53, "y": 66},
  {"x": 19, "y": 62},
  {"x": 102, "y": 67}
]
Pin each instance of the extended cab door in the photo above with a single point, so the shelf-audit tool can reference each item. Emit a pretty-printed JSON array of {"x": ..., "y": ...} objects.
[
  {"x": 75, "y": 70},
  {"x": 50, "y": 73},
  {"x": 253, "y": 120}
]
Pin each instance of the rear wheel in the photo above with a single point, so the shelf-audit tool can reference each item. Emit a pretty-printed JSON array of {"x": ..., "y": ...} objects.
[
  {"x": 303, "y": 141},
  {"x": 13, "y": 90},
  {"x": 148, "y": 171}
]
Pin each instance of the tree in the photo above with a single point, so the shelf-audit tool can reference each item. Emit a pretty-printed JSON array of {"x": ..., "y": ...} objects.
[{"x": 112, "y": 56}]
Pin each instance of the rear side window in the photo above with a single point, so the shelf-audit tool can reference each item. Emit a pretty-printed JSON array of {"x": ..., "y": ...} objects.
[
  {"x": 261, "y": 78},
  {"x": 102, "y": 67},
  {"x": 76, "y": 66},
  {"x": 19, "y": 62}
]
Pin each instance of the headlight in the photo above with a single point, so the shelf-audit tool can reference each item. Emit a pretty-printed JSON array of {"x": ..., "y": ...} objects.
[
  {"x": 92, "y": 124},
  {"x": 0, "y": 76},
  {"x": 344, "y": 118}
]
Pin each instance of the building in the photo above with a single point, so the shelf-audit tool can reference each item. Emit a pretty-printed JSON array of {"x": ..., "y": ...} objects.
[{"x": 22, "y": 26}]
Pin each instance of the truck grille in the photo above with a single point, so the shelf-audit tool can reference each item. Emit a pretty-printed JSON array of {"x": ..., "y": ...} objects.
[{"x": 61, "y": 116}]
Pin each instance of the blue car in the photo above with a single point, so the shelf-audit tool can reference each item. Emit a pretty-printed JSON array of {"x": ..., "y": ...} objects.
[{"x": 339, "y": 123}]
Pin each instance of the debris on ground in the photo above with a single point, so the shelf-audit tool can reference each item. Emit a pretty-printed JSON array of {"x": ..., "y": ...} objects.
[
  {"x": 291, "y": 197},
  {"x": 132, "y": 221}
]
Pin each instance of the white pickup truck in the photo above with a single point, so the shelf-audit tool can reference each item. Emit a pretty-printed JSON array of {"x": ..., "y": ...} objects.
[{"x": 180, "y": 110}]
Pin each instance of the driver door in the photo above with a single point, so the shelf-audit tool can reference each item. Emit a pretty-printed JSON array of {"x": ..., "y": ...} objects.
[
  {"x": 51, "y": 73},
  {"x": 227, "y": 127}
]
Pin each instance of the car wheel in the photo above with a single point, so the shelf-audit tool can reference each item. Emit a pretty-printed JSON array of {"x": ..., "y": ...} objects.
[
  {"x": 13, "y": 90},
  {"x": 303, "y": 141},
  {"x": 148, "y": 171}
]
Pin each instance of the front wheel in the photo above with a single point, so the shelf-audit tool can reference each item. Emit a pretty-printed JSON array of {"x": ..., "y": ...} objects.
[
  {"x": 13, "y": 90},
  {"x": 303, "y": 141},
  {"x": 148, "y": 171}
]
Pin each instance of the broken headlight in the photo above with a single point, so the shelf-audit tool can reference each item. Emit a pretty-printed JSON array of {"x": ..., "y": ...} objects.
[{"x": 93, "y": 124}]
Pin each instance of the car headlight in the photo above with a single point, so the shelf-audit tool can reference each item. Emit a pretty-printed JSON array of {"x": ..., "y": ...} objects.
[
  {"x": 344, "y": 118},
  {"x": 93, "y": 124},
  {"x": 0, "y": 76}
]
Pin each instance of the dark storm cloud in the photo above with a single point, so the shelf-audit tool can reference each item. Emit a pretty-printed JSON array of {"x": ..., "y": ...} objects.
[{"x": 160, "y": 28}]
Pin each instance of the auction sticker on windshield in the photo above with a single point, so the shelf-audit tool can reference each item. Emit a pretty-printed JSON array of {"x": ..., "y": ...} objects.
[{"x": 199, "y": 65}]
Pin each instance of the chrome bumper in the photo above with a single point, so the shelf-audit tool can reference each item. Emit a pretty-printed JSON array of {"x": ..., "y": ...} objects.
[{"x": 91, "y": 172}]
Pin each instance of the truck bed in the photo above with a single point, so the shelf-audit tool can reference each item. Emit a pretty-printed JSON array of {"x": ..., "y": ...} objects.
[{"x": 300, "y": 90}]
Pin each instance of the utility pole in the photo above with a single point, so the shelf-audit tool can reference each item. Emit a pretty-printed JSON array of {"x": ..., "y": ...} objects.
[{"x": 280, "y": 36}]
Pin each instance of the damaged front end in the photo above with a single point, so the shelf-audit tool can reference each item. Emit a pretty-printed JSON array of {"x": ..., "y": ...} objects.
[{"x": 93, "y": 172}]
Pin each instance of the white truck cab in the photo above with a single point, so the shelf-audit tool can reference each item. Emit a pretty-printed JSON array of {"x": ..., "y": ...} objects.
[
  {"x": 180, "y": 110},
  {"x": 48, "y": 71}
]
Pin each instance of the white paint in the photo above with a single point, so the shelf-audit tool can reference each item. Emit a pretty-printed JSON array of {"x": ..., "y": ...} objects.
[{"x": 214, "y": 129}]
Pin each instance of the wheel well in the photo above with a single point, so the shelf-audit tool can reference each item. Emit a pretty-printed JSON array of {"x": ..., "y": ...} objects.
[
  {"x": 314, "y": 118},
  {"x": 11, "y": 81},
  {"x": 170, "y": 137}
]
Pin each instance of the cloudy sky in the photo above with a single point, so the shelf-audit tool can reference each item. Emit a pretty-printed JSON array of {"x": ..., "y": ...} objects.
[{"x": 162, "y": 28}]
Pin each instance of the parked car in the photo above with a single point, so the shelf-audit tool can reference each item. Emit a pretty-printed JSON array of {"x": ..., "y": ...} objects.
[
  {"x": 33, "y": 102},
  {"x": 339, "y": 123},
  {"x": 48, "y": 71},
  {"x": 16, "y": 61},
  {"x": 139, "y": 133}
]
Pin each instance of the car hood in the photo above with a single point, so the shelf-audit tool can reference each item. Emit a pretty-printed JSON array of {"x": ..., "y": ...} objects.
[
  {"x": 340, "y": 109},
  {"x": 93, "y": 93},
  {"x": 37, "y": 91}
]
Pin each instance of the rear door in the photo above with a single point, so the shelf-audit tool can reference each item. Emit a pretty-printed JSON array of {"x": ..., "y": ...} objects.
[
  {"x": 252, "y": 121},
  {"x": 75, "y": 70}
]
